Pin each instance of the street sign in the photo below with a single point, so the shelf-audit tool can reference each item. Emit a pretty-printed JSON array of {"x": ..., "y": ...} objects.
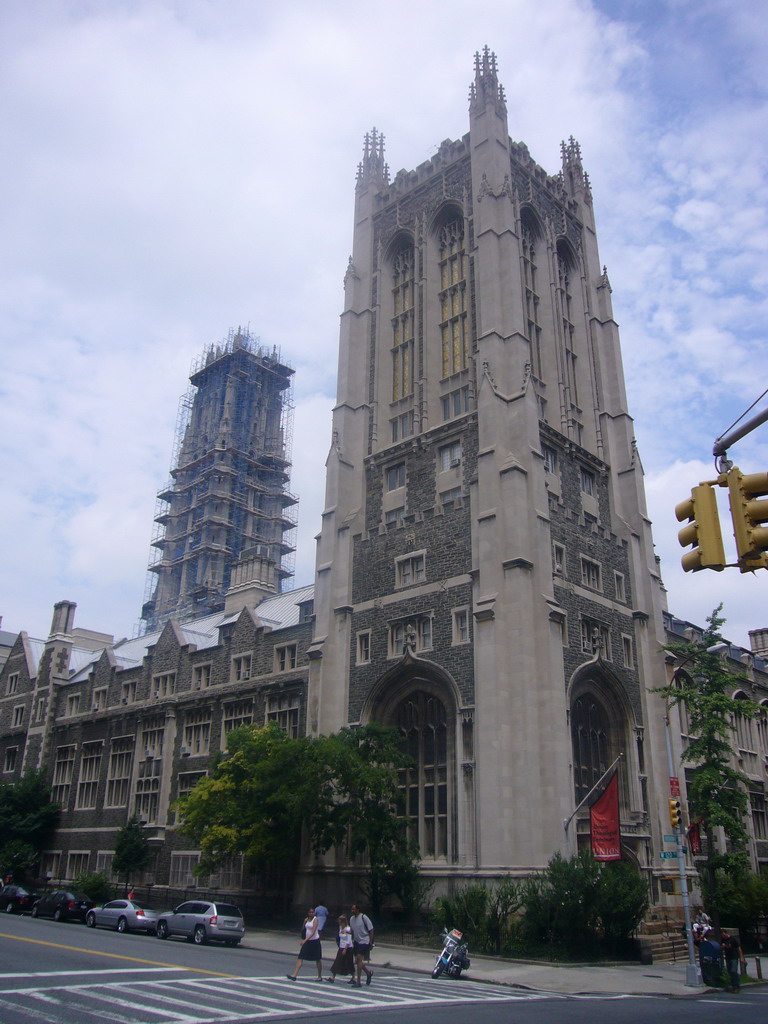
[
  {"x": 674, "y": 785},
  {"x": 668, "y": 854},
  {"x": 670, "y": 839}
]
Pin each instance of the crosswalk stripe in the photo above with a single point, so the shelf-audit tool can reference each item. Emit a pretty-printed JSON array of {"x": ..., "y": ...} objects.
[{"x": 190, "y": 1000}]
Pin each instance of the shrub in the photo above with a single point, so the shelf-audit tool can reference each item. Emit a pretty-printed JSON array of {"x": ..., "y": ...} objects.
[
  {"x": 96, "y": 887},
  {"x": 485, "y": 914},
  {"x": 622, "y": 899},
  {"x": 560, "y": 902},
  {"x": 579, "y": 902}
]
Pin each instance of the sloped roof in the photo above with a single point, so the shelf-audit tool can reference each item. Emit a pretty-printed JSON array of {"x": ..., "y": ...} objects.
[
  {"x": 36, "y": 648},
  {"x": 276, "y": 612},
  {"x": 283, "y": 610}
]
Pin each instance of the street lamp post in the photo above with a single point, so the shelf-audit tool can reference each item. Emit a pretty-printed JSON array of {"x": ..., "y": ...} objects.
[{"x": 692, "y": 972}]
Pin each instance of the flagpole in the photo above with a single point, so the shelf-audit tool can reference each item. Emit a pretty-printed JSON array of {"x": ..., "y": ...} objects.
[{"x": 606, "y": 773}]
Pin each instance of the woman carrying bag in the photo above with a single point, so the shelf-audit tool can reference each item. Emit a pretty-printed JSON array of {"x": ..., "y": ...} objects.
[{"x": 310, "y": 948}]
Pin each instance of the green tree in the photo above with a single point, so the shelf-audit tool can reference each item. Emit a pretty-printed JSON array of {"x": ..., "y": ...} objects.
[
  {"x": 254, "y": 803},
  {"x": 340, "y": 790},
  {"x": 742, "y": 900},
  {"x": 28, "y": 820},
  {"x": 717, "y": 791},
  {"x": 359, "y": 810},
  {"x": 132, "y": 851}
]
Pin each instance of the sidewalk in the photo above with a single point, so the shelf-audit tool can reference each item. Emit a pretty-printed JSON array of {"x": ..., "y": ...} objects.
[{"x": 624, "y": 979}]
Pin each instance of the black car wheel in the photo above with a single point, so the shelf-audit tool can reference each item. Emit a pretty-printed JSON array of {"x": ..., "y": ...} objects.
[
  {"x": 9, "y": 908},
  {"x": 199, "y": 938},
  {"x": 90, "y": 919},
  {"x": 57, "y": 914},
  {"x": 162, "y": 930},
  {"x": 122, "y": 925},
  {"x": 33, "y": 911}
]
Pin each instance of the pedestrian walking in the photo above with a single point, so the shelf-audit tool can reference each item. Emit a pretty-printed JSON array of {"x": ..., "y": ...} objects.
[
  {"x": 321, "y": 913},
  {"x": 310, "y": 949},
  {"x": 733, "y": 955},
  {"x": 344, "y": 963},
  {"x": 362, "y": 944}
]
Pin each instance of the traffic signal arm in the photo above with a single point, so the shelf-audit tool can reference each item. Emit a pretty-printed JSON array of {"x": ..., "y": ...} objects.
[{"x": 702, "y": 531}]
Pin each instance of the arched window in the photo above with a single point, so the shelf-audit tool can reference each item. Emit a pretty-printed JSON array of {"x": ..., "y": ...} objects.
[
  {"x": 591, "y": 746},
  {"x": 745, "y": 735},
  {"x": 762, "y": 728},
  {"x": 454, "y": 330},
  {"x": 530, "y": 237},
  {"x": 565, "y": 266},
  {"x": 403, "y": 304},
  {"x": 421, "y": 719}
]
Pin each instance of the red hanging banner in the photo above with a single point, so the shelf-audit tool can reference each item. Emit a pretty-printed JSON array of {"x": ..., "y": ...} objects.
[
  {"x": 694, "y": 838},
  {"x": 604, "y": 823}
]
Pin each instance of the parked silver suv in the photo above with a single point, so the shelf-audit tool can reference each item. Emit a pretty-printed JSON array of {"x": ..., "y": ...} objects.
[{"x": 200, "y": 921}]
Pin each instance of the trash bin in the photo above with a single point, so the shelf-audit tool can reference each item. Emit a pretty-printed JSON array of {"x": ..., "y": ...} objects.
[{"x": 710, "y": 971}]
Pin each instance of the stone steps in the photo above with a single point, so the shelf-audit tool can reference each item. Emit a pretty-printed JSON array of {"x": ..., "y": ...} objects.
[{"x": 668, "y": 948}]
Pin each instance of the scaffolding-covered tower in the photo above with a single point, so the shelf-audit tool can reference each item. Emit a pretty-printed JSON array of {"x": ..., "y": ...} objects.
[{"x": 227, "y": 495}]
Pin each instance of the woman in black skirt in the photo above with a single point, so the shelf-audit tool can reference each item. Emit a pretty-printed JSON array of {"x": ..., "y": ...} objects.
[{"x": 310, "y": 948}]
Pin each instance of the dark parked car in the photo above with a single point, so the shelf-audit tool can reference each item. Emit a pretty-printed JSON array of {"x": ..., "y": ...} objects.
[
  {"x": 124, "y": 916},
  {"x": 200, "y": 920},
  {"x": 62, "y": 905},
  {"x": 15, "y": 899}
]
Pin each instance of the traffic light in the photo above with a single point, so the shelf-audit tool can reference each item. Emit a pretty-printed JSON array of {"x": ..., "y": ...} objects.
[
  {"x": 675, "y": 813},
  {"x": 748, "y": 514},
  {"x": 702, "y": 531}
]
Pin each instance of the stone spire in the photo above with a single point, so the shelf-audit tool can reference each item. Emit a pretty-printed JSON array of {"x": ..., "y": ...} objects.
[
  {"x": 575, "y": 177},
  {"x": 486, "y": 89},
  {"x": 373, "y": 170}
]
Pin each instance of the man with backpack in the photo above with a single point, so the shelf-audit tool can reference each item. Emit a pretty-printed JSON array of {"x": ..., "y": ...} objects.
[{"x": 362, "y": 944}]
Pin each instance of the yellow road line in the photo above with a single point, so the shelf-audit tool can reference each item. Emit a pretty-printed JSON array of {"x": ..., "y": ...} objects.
[{"x": 117, "y": 956}]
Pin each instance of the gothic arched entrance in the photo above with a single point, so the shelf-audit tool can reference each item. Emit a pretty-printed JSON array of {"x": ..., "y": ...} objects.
[
  {"x": 601, "y": 726},
  {"x": 421, "y": 705}
]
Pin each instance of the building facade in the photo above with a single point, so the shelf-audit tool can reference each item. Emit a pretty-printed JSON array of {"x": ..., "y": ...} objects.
[
  {"x": 485, "y": 581},
  {"x": 228, "y": 489},
  {"x": 124, "y": 729},
  {"x": 486, "y": 577}
]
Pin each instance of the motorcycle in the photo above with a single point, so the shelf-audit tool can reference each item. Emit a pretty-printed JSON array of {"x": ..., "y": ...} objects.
[{"x": 455, "y": 955}]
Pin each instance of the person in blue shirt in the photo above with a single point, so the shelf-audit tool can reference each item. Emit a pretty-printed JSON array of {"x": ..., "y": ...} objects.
[
  {"x": 711, "y": 959},
  {"x": 321, "y": 913}
]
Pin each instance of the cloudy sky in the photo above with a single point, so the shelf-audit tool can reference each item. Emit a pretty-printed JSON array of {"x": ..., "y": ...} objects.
[{"x": 172, "y": 169}]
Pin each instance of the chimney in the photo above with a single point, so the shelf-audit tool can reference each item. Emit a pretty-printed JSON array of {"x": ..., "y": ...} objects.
[
  {"x": 63, "y": 617},
  {"x": 758, "y": 639}
]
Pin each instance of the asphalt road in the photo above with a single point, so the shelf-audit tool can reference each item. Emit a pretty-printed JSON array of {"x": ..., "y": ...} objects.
[{"x": 68, "y": 974}]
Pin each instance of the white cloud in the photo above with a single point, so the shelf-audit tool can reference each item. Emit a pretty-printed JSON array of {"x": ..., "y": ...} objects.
[{"x": 174, "y": 168}]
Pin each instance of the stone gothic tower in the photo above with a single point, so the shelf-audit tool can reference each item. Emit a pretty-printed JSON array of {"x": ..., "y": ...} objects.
[{"x": 486, "y": 581}]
